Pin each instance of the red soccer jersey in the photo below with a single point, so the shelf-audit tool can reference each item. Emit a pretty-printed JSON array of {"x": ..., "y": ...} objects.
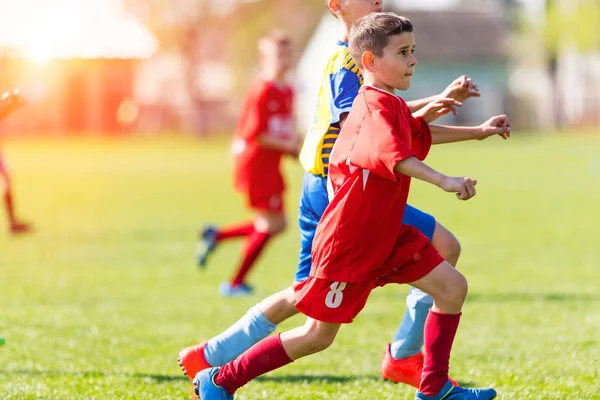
[
  {"x": 267, "y": 110},
  {"x": 363, "y": 221}
]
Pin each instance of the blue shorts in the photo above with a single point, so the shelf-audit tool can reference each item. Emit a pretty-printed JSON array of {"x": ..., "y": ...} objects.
[{"x": 313, "y": 202}]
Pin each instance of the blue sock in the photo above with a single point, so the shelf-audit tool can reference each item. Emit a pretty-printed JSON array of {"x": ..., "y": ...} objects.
[
  {"x": 409, "y": 338},
  {"x": 239, "y": 337}
]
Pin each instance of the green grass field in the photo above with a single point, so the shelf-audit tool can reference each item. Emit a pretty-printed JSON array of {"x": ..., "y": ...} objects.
[{"x": 97, "y": 303}]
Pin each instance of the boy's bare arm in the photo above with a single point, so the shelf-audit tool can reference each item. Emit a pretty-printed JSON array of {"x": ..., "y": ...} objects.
[
  {"x": 290, "y": 145},
  {"x": 460, "y": 89},
  {"x": 498, "y": 125},
  {"x": 463, "y": 187},
  {"x": 416, "y": 105}
]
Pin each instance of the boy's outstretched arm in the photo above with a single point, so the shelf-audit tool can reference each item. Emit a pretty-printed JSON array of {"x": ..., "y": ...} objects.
[
  {"x": 290, "y": 146},
  {"x": 462, "y": 186},
  {"x": 498, "y": 125},
  {"x": 460, "y": 89}
]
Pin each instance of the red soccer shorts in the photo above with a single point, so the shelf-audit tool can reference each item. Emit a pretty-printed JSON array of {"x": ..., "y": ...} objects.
[
  {"x": 259, "y": 199},
  {"x": 341, "y": 302}
]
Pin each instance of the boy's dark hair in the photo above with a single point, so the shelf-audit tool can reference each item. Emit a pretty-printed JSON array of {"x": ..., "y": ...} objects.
[{"x": 372, "y": 33}]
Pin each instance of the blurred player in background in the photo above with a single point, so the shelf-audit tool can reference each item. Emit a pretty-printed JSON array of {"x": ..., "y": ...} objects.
[
  {"x": 264, "y": 134},
  {"x": 9, "y": 102}
]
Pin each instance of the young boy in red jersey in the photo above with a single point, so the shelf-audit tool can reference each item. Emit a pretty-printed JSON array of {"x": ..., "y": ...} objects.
[
  {"x": 361, "y": 242},
  {"x": 9, "y": 102},
  {"x": 265, "y": 133}
]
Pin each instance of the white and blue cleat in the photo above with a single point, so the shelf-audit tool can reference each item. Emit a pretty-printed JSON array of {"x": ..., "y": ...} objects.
[
  {"x": 226, "y": 289},
  {"x": 205, "y": 387},
  {"x": 450, "y": 392},
  {"x": 207, "y": 243}
]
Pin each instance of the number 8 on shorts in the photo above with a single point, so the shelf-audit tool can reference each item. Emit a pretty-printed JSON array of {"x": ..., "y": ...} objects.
[{"x": 335, "y": 296}]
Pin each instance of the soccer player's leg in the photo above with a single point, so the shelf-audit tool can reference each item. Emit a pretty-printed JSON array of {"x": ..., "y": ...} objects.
[
  {"x": 209, "y": 236},
  {"x": 269, "y": 222},
  {"x": 262, "y": 319},
  {"x": 259, "y": 322},
  {"x": 449, "y": 288},
  {"x": 328, "y": 304},
  {"x": 403, "y": 358},
  {"x": 267, "y": 355},
  {"x": 15, "y": 226}
]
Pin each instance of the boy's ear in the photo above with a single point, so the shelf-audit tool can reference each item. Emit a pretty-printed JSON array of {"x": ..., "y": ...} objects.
[
  {"x": 368, "y": 61},
  {"x": 334, "y": 6}
]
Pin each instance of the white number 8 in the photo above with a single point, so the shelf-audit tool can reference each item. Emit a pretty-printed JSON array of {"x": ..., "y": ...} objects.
[{"x": 335, "y": 296}]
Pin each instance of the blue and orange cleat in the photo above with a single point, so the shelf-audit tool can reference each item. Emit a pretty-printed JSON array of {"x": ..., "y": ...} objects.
[
  {"x": 192, "y": 360},
  {"x": 406, "y": 370},
  {"x": 226, "y": 289},
  {"x": 451, "y": 392},
  {"x": 207, "y": 243},
  {"x": 205, "y": 387}
]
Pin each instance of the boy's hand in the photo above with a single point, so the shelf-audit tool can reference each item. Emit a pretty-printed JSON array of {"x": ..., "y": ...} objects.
[
  {"x": 437, "y": 108},
  {"x": 463, "y": 187},
  {"x": 498, "y": 125},
  {"x": 9, "y": 102},
  {"x": 461, "y": 89}
]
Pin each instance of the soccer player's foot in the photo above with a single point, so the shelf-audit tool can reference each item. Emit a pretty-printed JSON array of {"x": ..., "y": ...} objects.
[
  {"x": 192, "y": 360},
  {"x": 205, "y": 387},
  {"x": 207, "y": 243},
  {"x": 20, "y": 227},
  {"x": 226, "y": 289},
  {"x": 405, "y": 370},
  {"x": 451, "y": 392}
]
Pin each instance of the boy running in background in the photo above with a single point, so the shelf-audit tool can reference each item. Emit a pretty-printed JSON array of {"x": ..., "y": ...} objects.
[
  {"x": 9, "y": 102},
  {"x": 403, "y": 359},
  {"x": 265, "y": 132},
  {"x": 361, "y": 242}
]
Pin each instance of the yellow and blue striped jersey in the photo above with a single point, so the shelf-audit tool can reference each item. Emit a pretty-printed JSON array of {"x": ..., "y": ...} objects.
[{"x": 339, "y": 87}]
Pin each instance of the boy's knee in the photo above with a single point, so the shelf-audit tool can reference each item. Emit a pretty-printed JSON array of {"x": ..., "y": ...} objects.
[
  {"x": 319, "y": 339},
  {"x": 281, "y": 225},
  {"x": 277, "y": 224},
  {"x": 322, "y": 342},
  {"x": 458, "y": 289},
  {"x": 271, "y": 223},
  {"x": 446, "y": 244},
  {"x": 453, "y": 249}
]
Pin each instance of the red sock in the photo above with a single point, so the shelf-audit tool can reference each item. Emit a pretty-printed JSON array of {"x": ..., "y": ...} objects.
[
  {"x": 255, "y": 243},
  {"x": 266, "y": 355},
  {"x": 440, "y": 330},
  {"x": 237, "y": 230}
]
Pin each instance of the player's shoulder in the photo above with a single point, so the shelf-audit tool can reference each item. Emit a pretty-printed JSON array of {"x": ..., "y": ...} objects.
[
  {"x": 379, "y": 100},
  {"x": 341, "y": 60}
]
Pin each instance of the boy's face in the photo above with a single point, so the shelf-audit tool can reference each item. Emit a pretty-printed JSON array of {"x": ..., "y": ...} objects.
[
  {"x": 277, "y": 57},
  {"x": 395, "y": 67},
  {"x": 352, "y": 10}
]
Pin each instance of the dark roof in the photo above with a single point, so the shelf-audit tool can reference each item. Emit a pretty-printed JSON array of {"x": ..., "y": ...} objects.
[{"x": 454, "y": 36}]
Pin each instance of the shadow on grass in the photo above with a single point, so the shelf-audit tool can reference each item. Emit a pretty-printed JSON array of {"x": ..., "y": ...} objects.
[
  {"x": 87, "y": 374},
  {"x": 332, "y": 379},
  {"x": 162, "y": 378},
  {"x": 530, "y": 297},
  {"x": 326, "y": 379}
]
